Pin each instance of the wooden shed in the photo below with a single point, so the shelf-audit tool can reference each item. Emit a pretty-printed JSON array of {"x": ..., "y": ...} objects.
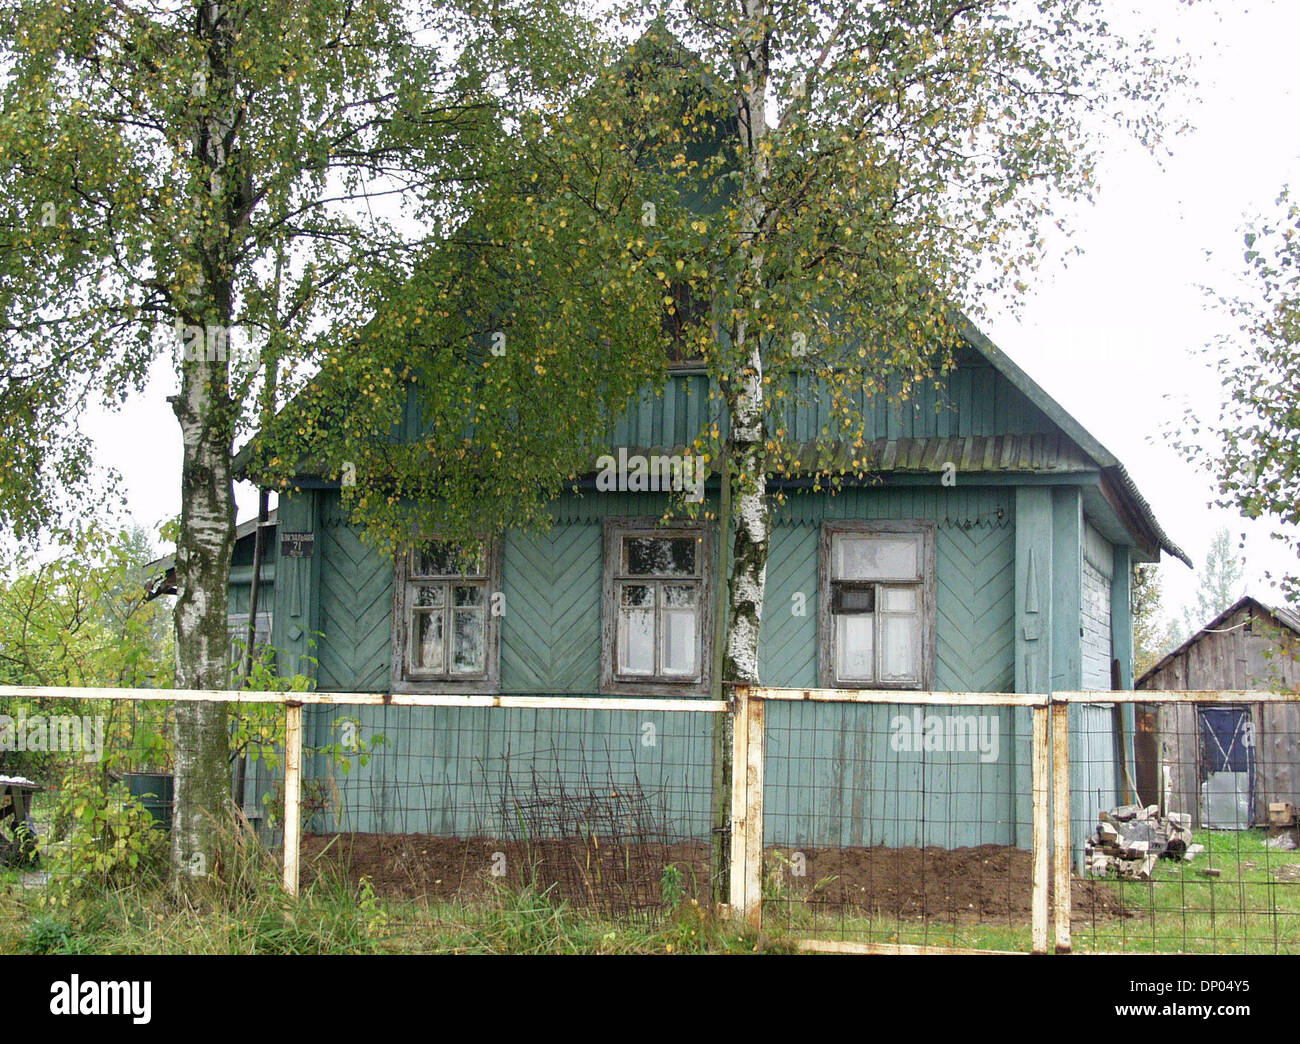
[{"x": 1225, "y": 765}]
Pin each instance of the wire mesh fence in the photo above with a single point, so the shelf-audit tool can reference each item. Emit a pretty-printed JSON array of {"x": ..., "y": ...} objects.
[
  {"x": 606, "y": 811},
  {"x": 1158, "y": 821},
  {"x": 893, "y": 825},
  {"x": 1183, "y": 810}
]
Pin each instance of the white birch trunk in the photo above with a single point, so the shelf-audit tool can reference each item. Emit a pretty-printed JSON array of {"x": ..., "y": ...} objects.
[
  {"x": 205, "y": 414},
  {"x": 745, "y": 399}
]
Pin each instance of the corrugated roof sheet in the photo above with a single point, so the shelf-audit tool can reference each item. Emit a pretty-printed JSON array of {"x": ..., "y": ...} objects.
[{"x": 1038, "y": 454}]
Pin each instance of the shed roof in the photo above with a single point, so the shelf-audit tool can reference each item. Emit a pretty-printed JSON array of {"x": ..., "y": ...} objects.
[
  {"x": 160, "y": 574},
  {"x": 1280, "y": 614}
]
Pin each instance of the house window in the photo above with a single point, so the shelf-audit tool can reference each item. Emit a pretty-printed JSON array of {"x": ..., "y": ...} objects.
[
  {"x": 446, "y": 627},
  {"x": 237, "y": 630},
  {"x": 877, "y": 605},
  {"x": 657, "y": 608},
  {"x": 687, "y": 309}
]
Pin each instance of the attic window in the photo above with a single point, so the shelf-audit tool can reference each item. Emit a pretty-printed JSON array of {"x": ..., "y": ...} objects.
[
  {"x": 687, "y": 309},
  {"x": 877, "y": 605}
]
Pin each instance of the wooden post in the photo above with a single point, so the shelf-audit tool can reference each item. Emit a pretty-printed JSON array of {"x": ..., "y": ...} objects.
[
  {"x": 292, "y": 794},
  {"x": 1042, "y": 778},
  {"x": 753, "y": 772},
  {"x": 1061, "y": 854},
  {"x": 739, "y": 792}
]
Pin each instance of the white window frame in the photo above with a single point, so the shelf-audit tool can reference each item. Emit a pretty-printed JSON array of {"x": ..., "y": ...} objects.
[
  {"x": 922, "y": 582},
  {"x": 406, "y": 677},
  {"x": 615, "y": 577}
]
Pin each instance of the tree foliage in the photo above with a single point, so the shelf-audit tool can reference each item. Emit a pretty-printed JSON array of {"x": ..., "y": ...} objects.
[
  {"x": 1220, "y": 583},
  {"x": 221, "y": 182},
  {"x": 1154, "y": 634},
  {"x": 1252, "y": 448},
  {"x": 821, "y": 185},
  {"x": 81, "y": 618}
]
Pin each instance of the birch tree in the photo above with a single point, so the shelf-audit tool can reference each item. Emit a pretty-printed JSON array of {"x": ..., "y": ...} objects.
[
  {"x": 220, "y": 182},
  {"x": 889, "y": 164},
  {"x": 1252, "y": 447},
  {"x": 824, "y": 185}
]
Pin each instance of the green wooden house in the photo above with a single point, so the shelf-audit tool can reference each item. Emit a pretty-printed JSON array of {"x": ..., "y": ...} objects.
[{"x": 990, "y": 551}]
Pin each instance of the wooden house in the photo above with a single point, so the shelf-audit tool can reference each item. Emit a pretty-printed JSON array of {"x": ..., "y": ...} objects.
[
  {"x": 995, "y": 535},
  {"x": 1225, "y": 764},
  {"x": 989, "y": 550}
]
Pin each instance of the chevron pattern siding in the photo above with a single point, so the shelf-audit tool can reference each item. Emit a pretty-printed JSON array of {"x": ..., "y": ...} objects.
[
  {"x": 356, "y": 608},
  {"x": 833, "y": 777},
  {"x": 787, "y": 652},
  {"x": 550, "y": 634},
  {"x": 975, "y": 616},
  {"x": 974, "y": 562}
]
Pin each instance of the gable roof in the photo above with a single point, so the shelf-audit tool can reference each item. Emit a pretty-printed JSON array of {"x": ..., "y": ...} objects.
[
  {"x": 1279, "y": 614},
  {"x": 1124, "y": 495},
  {"x": 1074, "y": 451}
]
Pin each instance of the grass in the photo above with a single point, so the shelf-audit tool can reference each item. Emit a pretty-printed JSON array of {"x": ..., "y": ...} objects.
[
  {"x": 1252, "y": 907},
  {"x": 250, "y": 914}
]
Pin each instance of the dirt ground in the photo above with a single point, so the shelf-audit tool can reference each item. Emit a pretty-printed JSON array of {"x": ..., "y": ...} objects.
[{"x": 987, "y": 884}]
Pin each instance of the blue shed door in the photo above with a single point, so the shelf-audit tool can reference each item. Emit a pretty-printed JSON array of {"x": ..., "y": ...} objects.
[{"x": 1227, "y": 770}]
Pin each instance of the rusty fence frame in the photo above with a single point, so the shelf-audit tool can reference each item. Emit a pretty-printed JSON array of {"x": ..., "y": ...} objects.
[
  {"x": 1051, "y": 844},
  {"x": 746, "y": 882},
  {"x": 1060, "y": 739},
  {"x": 294, "y": 702}
]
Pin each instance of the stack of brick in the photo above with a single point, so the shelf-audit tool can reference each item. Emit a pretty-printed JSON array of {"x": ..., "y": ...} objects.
[{"x": 1130, "y": 839}]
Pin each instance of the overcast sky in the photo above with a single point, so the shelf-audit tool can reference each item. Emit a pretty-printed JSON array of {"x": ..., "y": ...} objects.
[{"x": 1111, "y": 335}]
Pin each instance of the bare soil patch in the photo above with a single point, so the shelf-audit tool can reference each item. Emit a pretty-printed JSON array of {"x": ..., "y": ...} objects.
[{"x": 985, "y": 884}]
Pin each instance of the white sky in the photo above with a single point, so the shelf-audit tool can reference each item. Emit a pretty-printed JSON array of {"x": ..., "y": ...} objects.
[{"x": 1109, "y": 336}]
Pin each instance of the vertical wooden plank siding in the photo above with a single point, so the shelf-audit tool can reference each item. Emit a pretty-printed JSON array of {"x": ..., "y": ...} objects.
[
  {"x": 1121, "y": 614},
  {"x": 293, "y": 615},
  {"x": 1067, "y": 588},
  {"x": 1098, "y": 591},
  {"x": 1033, "y": 634}
]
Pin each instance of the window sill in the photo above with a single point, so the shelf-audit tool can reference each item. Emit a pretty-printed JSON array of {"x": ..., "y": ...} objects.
[
  {"x": 656, "y": 688},
  {"x": 459, "y": 686}
]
